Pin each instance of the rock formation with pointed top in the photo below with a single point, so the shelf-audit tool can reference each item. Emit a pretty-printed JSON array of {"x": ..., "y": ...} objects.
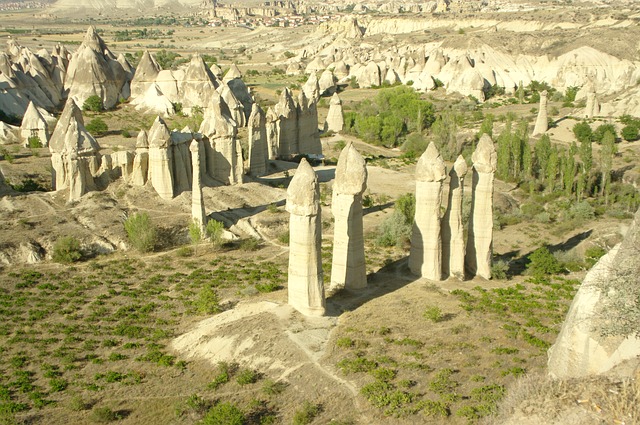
[
  {"x": 308, "y": 134},
  {"x": 153, "y": 101},
  {"x": 198, "y": 214},
  {"x": 198, "y": 87},
  {"x": 287, "y": 114},
  {"x": 348, "y": 268},
  {"x": 140, "y": 168},
  {"x": 94, "y": 70},
  {"x": 8, "y": 134},
  {"x": 425, "y": 254},
  {"x": 181, "y": 163},
  {"x": 305, "y": 284},
  {"x": 242, "y": 93},
  {"x": 145, "y": 74},
  {"x": 258, "y": 149},
  {"x": 452, "y": 229},
  {"x": 160, "y": 159},
  {"x": 327, "y": 83},
  {"x": 232, "y": 73},
  {"x": 235, "y": 107},
  {"x": 272, "y": 127},
  {"x": 542, "y": 123},
  {"x": 222, "y": 148},
  {"x": 311, "y": 88},
  {"x": 335, "y": 117},
  {"x": 34, "y": 125},
  {"x": 74, "y": 154},
  {"x": 480, "y": 235}
]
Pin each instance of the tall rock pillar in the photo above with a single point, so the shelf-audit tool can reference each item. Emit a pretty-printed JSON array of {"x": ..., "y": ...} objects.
[
  {"x": 480, "y": 237},
  {"x": 593, "y": 106},
  {"x": 425, "y": 254},
  {"x": 258, "y": 149},
  {"x": 348, "y": 268},
  {"x": 542, "y": 123},
  {"x": 141, "y": 160},
  {"x": 160, "y": 159},
  {"x": 197, "y": 202},
  {"x": 306, "y": 290},
  {"x": 452, "y": 231}
]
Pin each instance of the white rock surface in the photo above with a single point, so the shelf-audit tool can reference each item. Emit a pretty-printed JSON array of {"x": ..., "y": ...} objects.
[{"x": 452, "y": 229}]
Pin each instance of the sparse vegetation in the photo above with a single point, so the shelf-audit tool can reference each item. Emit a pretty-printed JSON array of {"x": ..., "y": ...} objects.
[
  {"x": 66, "y": 250},
  {"x": 141, "y": 232}
]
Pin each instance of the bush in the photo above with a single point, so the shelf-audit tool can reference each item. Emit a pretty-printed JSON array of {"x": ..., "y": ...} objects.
[
  {"x": 141, "y": 232},
  {"x": 104, "y": 415},
  {"x": 593, "y": 254},
  {"x": 224, "y": 414},
  {"x": 34, "y": 142},
  {"x": 306, "y": 414},
  {"x": 93, "y": 103},
  {"x": 583, "y": 132},
  {"x": 396, "y": 229},
  {"x": 208, "y": 301},
  {"x": 214, "y": 231},
  {"x": 499, "y": 270},
  {"x": 630, "y": 133},
  {"x": 97, "y": 127},
  {"x": 598, "y": 135},
  {"x": 66, "y": 250},
  {"x": 543, "y": 263}
]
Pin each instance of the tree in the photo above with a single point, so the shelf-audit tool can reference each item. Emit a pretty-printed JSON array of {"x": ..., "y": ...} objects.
[
  {"x": 141, "y": 232},
  {"x": 542, "y": 152},
  {"x": 487, "y": 125},
  {"x": 569, "y": 171},
  {"x": 598, "y": 135},
  {"x": 606, "y": 159},
  {"x": 586, "y": 156},
  {"x": 583, "y": 132},
  {"x": 520, "y": 93},
  {"x": 195, "y": 234},
  {"x": 630, "y": 133},
  {"x": 97, "y": 127},
  {"x": 543, "y": 263},
  {"x": 504, "y": 153},
  {"x": 553, "y": 165},
  {"x": 93, "y": 103},
  {"x": 214, "y": 231}
]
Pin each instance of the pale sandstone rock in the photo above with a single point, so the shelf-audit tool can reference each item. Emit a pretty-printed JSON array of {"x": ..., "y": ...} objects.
[
  {"x": 480, "y": 236},
  {"x": 221, "y": 146},
  {"x": 542, "y": 124},
  {"x": 425, "y": 255},
  {"x": 311, "y": 88},
  {"x": 370, "y": 76},
  {"x": 335, "y": 117},
  {"x": 341, "y": 70},
  {"x": 8, "y": 134},
  {"x": 242, "y": 93},
  {"x": 592, "y": 108},
  {"x": 348, "y": 268},
  {"x": 198, "y": 87},
  {"x": 287, "y": 132},
  {"x": 308, "y": 134},
  {"x": 216, "y": 71},
  {"x": 198, "y": 214},
  {"x": 181, "y": 159},
  {"x": 145, "y": 75},
  {"x": 452, "y": 229},
  {"x": 233, "y": 72},
  {"x": 258, "y": 149},
  {"x": 294, "y": 68},
  {"x": 153, "y": 101},
  {"x": 74, "y": 153},
  {"x": 235, "y": 106},
  {"x": 140, "y": 168},
  {"x": 168, "y": 83},
  {"x": 272, "y": 127},
  {"x": 584, "y": 347},
  {"x": 316, "y": 65},
  {"x": 305, "y": 284},
  {"x": 327, "y": 83},
  {"x": 94, "y": 70},
  {"x": 160, "y": 159},
  {"x": 34, "y": 125}
]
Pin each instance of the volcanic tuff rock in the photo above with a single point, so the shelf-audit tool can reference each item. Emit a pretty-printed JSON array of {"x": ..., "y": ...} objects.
[
  {"x": 452, "y": 229},
  {"x": 335, "y": 118},
  {"x": 542, "y": 123},
  {"x": 145, "y": 74},
  {"x": 258, "y": 149},
  {"x": 305, "y": 287},
  {"x": 94, "y": 70},
  {"x": 34, "y": 125}
]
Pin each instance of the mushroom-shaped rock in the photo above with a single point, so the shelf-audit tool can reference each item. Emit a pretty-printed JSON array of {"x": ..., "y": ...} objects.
[
  {"x": 348, "y": 265},
  {"x": 335, "y": 118},
  {"x": 480, "y": 236},
  {"x": 140, "y": 169},
  {"x": 305, "y": 285},
  {"x": 452, "y": 229},
  {"x": 425, "y": 254}
]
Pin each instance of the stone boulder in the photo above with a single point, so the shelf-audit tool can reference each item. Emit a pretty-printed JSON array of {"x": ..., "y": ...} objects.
[{"x": 145, "y": 74}]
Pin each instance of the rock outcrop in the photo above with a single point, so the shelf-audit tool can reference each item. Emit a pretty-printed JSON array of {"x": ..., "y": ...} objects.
[
  {"x": 480, "y": 236},
  {"x": 335, "y": 117},
  {"x": 601, "y": 329},
  {"x": 75, "y": 154},
  {"x": 425, "y": 256},
  {"x": 8, "y": 134},
  {"x": 542, "y": 123},
  {"x": 140, "y": 168},
  {"x": 198, "y": 87},
  {"x": 94, "y": 70},
  {"x": 258, "y": 149},
  {"x": 452, "y": 229},
  {"x": 145, "y": 75},
  {"x": 308, "y": 135},
  {"x": 160, "y": 159},
  {"x": 348, "y": 269},
  {"x": 592, "y": 108},
  {"x": 287, "y": 124},
  {"x": 198, "y": 214},
  {"x": 34, "y": 126},
  {"x": 305, "y": 285}
]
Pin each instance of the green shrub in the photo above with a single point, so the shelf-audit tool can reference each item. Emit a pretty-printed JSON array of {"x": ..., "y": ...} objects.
[
  {"x": 208, "y": 301},
  {"x": 593, "y": 254},
  {"x": 104, "y": 415},
  {"x": 630, "y": 133},
  {"x": 141, "y": 232},
  {"x": 543, "y": 263},
  {"x": 34, "y": 142},
  {"x": 602, "y": 129},
  {"x": 93, "y": 103},
  {"x": 97, "y": 127},
  {"x": 224, "y": 414},
  {"x": 250, "y": 244},
  {"x": 247, "y": 376},
  {"x": 433, "y": 313},
  {"x": 499, "y": 270},
  {"x": 214, "y": 231},
  {"x": 66, "y": 250},
  {"x": 306, "y": 414}
]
